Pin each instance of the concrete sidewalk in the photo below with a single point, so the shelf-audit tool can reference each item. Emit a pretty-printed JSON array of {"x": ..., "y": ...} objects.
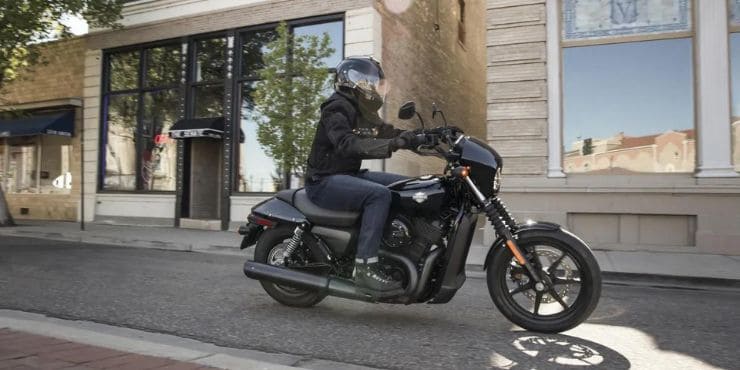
[
  {"x": 34, "y": 341},
  {"x": 703, "y": 268}
]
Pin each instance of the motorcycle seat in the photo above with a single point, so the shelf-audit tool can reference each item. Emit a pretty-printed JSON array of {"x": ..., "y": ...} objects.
[{"x": 317, "y": 215}]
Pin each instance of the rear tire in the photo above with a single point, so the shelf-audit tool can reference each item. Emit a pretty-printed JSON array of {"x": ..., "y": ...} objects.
[
  {"x": 289, "y": 296},
  {"x": 502, "y": 272}
]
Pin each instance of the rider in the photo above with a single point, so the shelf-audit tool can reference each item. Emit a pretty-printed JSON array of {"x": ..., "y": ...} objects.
[{"x": 349, "y": 131}]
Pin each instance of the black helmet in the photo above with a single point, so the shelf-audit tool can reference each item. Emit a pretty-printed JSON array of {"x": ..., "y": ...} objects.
[{"x": 364, "y": 77}]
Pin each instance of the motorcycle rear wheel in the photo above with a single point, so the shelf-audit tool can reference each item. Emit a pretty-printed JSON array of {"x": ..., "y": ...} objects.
[
  {"x": 268, "y": 246},
  {"x": 573, "y": 268}
]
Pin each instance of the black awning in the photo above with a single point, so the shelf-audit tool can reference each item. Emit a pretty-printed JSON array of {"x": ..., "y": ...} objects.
[
  {"x": 200, "y": 127},
  {"x": 62, "y": 124}
]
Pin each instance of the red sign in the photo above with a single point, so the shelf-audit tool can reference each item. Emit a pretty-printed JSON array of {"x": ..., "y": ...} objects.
[{"x": 161, "y": 139}]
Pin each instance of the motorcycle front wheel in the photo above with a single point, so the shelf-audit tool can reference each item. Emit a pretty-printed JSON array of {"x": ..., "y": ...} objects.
[{"x": 567, "y": 267}]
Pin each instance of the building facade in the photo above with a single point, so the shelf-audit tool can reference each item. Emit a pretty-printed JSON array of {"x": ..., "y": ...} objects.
[
  {"x": 169, "y": 108},
  {"x": 615, "y": 118},
  {"x": 40, "y": 125}
]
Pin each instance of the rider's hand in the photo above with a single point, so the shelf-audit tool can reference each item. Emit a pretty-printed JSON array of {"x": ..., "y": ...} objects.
[{"x": 409, "y": 140}]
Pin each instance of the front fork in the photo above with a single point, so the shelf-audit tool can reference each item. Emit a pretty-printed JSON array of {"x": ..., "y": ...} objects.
[{"x": 503, "y": 223}]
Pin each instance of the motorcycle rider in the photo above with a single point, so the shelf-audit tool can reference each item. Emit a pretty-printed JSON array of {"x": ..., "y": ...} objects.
[{"x": 349, "y": 131}]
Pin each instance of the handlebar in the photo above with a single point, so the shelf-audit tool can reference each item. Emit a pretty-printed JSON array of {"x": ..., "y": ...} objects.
[{"x": 436, "y": 136}]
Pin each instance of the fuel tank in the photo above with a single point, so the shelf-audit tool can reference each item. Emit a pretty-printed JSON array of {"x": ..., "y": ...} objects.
[{"x": 425, "y": 194}]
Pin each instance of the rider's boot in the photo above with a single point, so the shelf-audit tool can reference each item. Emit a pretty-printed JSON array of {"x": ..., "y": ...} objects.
[{"x": 370, "y": 276}]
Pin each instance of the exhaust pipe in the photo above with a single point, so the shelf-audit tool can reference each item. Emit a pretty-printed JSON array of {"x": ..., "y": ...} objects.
[{"x": 332, "y": 286}]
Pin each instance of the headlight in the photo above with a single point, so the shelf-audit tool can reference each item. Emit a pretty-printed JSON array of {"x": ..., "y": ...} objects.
[{"x": 497, "y": 181}]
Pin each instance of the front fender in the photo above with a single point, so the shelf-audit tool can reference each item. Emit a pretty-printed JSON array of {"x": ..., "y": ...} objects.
[{"x": 520, "y": 229}]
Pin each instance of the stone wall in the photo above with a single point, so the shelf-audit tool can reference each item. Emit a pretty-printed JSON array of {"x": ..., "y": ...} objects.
[
  {"x": 517, "y": 84},
  {"x": 430, "y": 65}
]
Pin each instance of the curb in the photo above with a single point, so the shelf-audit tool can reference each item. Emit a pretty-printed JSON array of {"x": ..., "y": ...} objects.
[{"x": 160, "y": 345}]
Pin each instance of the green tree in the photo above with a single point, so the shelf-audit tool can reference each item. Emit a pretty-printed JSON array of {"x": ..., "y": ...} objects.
[
  {"x": 24, "y": 24},
  {"x": 288, "y": 96}
]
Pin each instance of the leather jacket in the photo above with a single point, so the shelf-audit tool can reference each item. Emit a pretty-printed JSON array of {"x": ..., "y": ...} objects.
[{"x": 345, "y": 136}]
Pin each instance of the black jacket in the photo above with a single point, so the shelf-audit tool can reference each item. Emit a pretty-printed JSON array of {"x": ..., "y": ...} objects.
[{"x": 345, "y": 136}]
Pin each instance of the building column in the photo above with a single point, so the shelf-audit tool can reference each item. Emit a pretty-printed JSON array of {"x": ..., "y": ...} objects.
[
  {"x": 229, "y": 141},
  {"x": 714, "y": 147},
  {"x": 181, "y": 113},
  {"x": 554, "y": 92}
]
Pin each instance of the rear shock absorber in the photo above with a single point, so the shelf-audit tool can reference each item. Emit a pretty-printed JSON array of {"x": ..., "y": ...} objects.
[{"x": 294, "y": 242}]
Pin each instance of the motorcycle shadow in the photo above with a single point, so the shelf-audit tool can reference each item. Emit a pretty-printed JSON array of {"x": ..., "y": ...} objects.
[{"x": 528, "y": 350}]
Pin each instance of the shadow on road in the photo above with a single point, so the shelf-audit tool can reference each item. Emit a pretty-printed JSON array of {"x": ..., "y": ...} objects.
[{"x": 526, "y": 350}]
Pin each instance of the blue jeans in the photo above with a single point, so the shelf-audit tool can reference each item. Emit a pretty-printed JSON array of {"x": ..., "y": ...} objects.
[{"x": 367, "y": 192}]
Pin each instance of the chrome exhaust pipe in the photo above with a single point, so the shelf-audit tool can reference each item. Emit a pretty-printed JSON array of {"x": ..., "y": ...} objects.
[{"x": 332, "y": 286}]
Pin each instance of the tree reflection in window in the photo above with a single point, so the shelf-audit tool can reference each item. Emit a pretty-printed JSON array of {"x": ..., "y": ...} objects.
[
  {"x": 163, "y": 66},
  {"x": 123, "y": 71},
  {"x": 120, "y": 143},
  {"x": 210, "y": 59},
  {"x": 158, "y": 156}
]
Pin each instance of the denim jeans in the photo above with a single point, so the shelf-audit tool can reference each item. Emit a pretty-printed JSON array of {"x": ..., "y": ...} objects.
[{"x": 367, "y": 192}]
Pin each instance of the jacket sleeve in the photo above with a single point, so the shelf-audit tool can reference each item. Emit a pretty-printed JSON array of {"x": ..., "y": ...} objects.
[{"x": 339, "y": 130}]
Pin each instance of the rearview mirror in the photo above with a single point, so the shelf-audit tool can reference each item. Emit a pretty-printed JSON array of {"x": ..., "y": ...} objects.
[{"x": 407, "y": 110}]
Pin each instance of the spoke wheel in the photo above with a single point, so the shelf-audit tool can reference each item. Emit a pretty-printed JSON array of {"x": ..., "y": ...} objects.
[
  {"x": 570, "y": 283},
  {"x": 270, "y": 250}
]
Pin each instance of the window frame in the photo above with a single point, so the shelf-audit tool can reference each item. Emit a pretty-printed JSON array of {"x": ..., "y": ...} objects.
[
  {"x": 555, "y": 85},
  {"x": 140, "y": 91}
]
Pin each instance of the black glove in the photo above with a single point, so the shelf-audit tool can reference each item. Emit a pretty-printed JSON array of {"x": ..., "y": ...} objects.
[{"x": 408, "y": 140}]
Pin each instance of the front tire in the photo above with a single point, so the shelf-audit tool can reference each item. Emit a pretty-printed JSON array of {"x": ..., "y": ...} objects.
[
  {"x": 268, "y": 246},
  {"x": 574, "y": 268}
]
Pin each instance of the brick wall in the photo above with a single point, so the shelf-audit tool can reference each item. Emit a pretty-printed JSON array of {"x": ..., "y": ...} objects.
[
  {"x": 266, "y": 12},
  {"x": 428, "y": 65},
  {"x": 59, "y": 76},
  {"x": 517, "y": 84}
]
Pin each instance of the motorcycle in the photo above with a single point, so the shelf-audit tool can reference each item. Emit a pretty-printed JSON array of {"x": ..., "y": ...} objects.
[{"x": 539, "y": 275}]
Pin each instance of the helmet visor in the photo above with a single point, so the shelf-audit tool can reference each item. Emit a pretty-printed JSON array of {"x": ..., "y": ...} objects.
[{"x": 369, "y": 82}]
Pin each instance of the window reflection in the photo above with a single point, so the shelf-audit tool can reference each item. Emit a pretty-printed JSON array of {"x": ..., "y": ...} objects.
[
  {"x": 123, "y": 71},
  {"x": 257, "y": 171},
  {"x": 628, "y": 108},
  {"x": 163, "y": 66},
  {"x": 209, "y": 101},
  {"x": 22, "y": 166},
  {"x": 210, "y": 59},
  {"x": 56, "y": 175},
  {"x": 120, "y": 143},
  {"x": 735, "y": 75},
  {"x": 158, "y": 157},
  {"x": 336, "y": 37},
  {"x": 254, "y": 46}
]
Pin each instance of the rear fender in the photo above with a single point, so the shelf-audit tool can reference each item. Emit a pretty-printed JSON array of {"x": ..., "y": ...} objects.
[
  {"x": 520, "y": 230},
  {"x": 280, "y": 211}
]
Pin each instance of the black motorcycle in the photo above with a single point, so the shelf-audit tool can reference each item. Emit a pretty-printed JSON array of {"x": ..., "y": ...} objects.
[{"x": 540, "y": 276}]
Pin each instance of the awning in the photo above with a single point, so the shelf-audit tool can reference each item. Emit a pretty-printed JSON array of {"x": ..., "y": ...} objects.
[
  {"x": 62, "y": 124},
  {"x": 200, "y": 127}
]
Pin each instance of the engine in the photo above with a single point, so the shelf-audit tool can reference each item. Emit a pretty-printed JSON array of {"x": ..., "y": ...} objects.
[{"x": 412, "y": 238}]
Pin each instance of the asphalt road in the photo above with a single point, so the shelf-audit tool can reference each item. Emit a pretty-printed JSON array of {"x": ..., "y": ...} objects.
[{"x": 206, "y": 296}]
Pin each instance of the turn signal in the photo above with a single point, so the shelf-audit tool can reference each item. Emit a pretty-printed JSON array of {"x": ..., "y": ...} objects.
[{"x": 461, "y": 172}]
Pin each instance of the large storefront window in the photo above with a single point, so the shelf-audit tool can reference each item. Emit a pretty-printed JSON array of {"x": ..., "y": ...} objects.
[
  {"x": 208, "y": 78},
  {"x": 628, "y": 107},
  {"x": 257, "y": 171},
  {"x": 140, "y": 106},
  {"x": 36, "y": 165}
]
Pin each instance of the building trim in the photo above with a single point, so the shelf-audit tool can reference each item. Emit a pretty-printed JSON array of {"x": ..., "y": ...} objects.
[{"x": 714, "y": 146}]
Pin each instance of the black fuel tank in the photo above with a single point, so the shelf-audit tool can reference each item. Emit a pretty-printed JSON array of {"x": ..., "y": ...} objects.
[{"x": 425, "y": 194}]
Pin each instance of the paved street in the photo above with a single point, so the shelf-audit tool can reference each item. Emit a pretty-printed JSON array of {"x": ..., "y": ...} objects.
[{"x": 206, "y": 297}]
